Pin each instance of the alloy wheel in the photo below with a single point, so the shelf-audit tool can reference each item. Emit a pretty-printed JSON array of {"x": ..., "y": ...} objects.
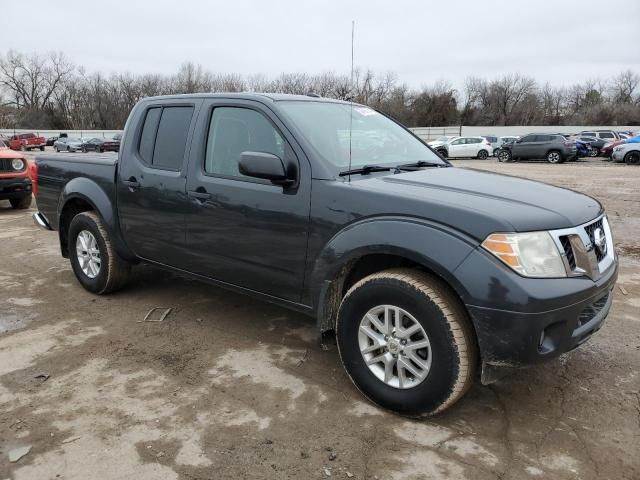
[
  {"x": 88, "y": 254},
  {"x": 394, "y": 346}
]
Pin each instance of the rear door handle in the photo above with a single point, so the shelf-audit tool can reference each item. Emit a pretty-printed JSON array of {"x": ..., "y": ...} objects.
[{"x": 199, "y": 195}]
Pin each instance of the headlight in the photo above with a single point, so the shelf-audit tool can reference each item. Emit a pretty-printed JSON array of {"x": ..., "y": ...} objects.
[
  {"x": 531, "y": 254},
  {"x": 615, "y": 149},
  {"x": 17, "y": 164}
]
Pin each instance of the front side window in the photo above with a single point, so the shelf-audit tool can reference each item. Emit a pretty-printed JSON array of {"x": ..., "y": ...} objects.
[
  {"x": 460, "y": 141},
  {"x": 339, "y": 132},
  {"x": 606, "y": 135},
  {"x": 234, "y": 130},
  {"x": 528, "y": 138},
  {"x": 589, "y": 134}
]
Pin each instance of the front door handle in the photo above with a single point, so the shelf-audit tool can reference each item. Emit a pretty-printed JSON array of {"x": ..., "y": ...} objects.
[
  {"x": 201, "y": 195},
  {"x": 132, "y": 183}
]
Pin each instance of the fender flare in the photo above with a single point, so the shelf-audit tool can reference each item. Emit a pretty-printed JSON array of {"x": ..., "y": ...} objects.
[
  {"x": 89, "y": 191},
  {"x": 436, "y": 247}
]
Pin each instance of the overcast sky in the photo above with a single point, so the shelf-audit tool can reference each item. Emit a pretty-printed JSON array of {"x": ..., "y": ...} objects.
[{"x": 560, "y": 41}]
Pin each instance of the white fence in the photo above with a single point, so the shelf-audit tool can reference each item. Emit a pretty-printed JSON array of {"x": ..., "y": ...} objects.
[
  {"x": 56, "y": 133},
  {"x": 426, "y": 133}
]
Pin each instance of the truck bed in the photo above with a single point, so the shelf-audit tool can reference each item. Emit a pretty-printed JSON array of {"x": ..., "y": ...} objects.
[{"x": 56, "y": 170}]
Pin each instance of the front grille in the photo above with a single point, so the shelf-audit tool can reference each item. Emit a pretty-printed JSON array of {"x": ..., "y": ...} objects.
[
  {"x": 590, "y": 229},
  {"x": 568, "y": 251},
  {"x": 5, "y": 165},
  {"x": 592, "y": 310}
]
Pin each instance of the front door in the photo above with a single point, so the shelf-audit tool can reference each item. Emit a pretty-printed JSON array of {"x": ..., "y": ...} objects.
[
  {"x": 523, "y": 148},
  {"x": 240, "y": 230},
  {"x": 458, "y": 148},
  {"x": 151, "y": 184}
]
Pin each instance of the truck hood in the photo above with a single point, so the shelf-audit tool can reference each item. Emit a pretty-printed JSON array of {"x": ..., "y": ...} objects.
[{"x": 480, "y": 202}]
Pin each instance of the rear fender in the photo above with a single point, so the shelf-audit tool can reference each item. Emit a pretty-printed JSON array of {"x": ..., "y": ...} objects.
[{"x": 87, "y": 190}]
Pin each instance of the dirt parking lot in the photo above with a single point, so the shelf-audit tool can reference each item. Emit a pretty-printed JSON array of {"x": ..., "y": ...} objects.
[{"x": 229, "y": 387}]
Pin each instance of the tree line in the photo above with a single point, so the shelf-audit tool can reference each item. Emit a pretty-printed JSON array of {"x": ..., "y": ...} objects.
[{"x": 49, "y": 91}]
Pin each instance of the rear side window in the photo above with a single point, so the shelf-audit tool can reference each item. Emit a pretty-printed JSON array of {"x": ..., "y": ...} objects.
[
  {"x": 171, "y": 140},
  {"x": 544, "y": 138},
  {"x": 148, "y": 135},
  {"x": 163, "y": 139},
  {"x": 473, "y": 140},
  {"x": 589, "y": 134}
]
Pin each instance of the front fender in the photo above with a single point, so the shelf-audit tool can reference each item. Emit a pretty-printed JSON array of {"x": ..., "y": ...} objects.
[{"x": 436, "y": 247}]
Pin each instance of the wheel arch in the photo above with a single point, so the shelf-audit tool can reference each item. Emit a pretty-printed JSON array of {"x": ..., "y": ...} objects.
[
  {"x": 80, "y": 195},
  {"x": 351, "y": 255}
]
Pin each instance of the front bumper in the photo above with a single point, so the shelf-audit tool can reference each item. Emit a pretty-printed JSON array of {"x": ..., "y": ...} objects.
[
  {"x": 525, "y": 321},
  {"x": 17, "y": 187},
  {"x": 617, "y": 156}
]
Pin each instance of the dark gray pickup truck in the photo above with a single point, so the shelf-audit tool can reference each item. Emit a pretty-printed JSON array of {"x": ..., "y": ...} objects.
[{"x": 426, "y": 273}]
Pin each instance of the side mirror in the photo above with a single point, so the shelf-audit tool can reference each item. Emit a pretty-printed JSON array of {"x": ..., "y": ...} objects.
[{"x": 264, "y": 165}]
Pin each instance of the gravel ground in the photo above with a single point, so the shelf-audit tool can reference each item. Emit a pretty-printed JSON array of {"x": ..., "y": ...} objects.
[{"x": 229, "y": 387}]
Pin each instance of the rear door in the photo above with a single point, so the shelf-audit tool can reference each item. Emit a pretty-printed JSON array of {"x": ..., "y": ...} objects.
[
  {"x": 241, "y": 230},
  {"x": 151, "y": 184}
]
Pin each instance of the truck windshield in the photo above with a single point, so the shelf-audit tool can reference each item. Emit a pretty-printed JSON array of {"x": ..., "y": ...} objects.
[{"x": 375, "y": 139}]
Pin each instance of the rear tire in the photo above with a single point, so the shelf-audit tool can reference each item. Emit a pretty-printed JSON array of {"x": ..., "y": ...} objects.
[
  {"x": 554, "y": 157},
  {"x": 112, "y": 272},
  {"x": 632, "y": 158},
  {"x": 443, "y": 153},
  {"x": 42, "y": 149},
  {"x": 483, "y": 155},
  {"x": 449, "y": 360},
  {"x": 21, "y": 203}
]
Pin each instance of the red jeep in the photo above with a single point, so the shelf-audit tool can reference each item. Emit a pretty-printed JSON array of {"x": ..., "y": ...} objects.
[
  {"x": 15, "y": 178},
  {"x": 27, "y": 141}
]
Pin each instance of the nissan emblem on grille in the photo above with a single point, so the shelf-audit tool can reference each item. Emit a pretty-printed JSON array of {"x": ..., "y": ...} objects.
[{"x": 600, "y": 241}]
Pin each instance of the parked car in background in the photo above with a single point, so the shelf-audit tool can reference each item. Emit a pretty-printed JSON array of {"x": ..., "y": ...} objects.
[
  {"x": 67, "y": 144},
  {"x": 441, "y": 141},
  {"x": 583, "y": 149},
  {"x": 607, "y": 149},
  {"x": 628, "y": 153},
  {"x": 596, "y": 143},
  {"x": 466, "y": 147},
  {"x": 554, "y": 148},
  {"x": 493, "y": 140},
  {"x": 50, "y": 141},
  {"x": 606, "y": 135},
  {"x": 117, "y": 137},
  {"x": 15, "y": 178},
  {"x": 501, "y": 142},
  {"x": 26, "y": 141},
  {"x": 100, "y": 145}
]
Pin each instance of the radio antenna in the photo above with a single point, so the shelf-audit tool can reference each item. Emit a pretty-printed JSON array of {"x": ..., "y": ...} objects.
[{"x": 353, "y": 27}]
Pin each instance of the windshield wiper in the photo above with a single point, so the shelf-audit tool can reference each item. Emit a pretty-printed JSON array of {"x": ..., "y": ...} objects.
[
  {"x": 420, "y": 164},
  {"x": 365, "y": 170}
]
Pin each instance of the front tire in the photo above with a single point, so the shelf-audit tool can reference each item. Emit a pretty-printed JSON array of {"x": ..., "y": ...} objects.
[
  {"x": 20, "y": 203},
  {"x": 632, "y": 158},
  {"x": 595, "y": 152},
  {"x": 93, "y": 257},
  {"x": 406, "y": 342},
  {"x": 505, "y": 156}
]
